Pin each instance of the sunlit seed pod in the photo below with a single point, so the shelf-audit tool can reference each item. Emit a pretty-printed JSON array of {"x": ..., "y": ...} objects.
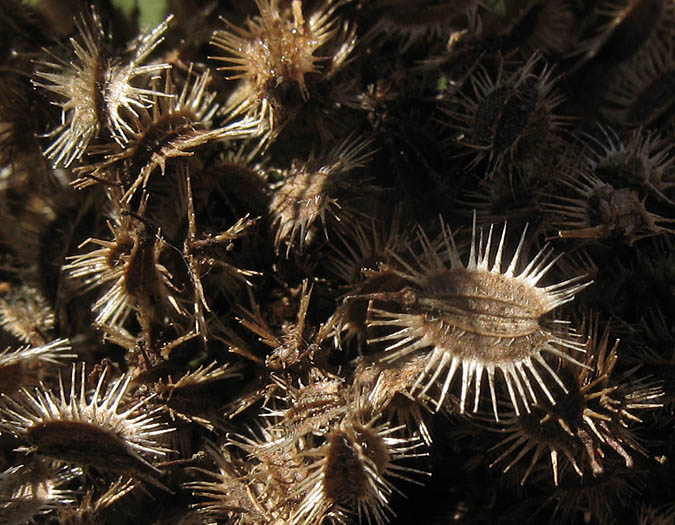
[
  {"x": 642, "y": 162},
  {"x": 22, "y": 367},
  {"x": 384, "y": 388},
  {"x": 317, "y": 190},
  {"x": 510, "y": 116},
  {"x": 642, "y": 93},
  {"x": 275, "y": 54},
  {"x": 178, "y": 121},
  {"x": 590, "y": 420},
  {"x": 25, "y": 313},
  {"x": 98, "y": 429},
  {"x": 310, "y": 408},
  {"x": 34, "y": 489},
  {"x": 96, "y": 89},
  {"x": 351, "y": 474},
  {"x": 599, "y": 210},
  {"x": 480, "y": 319},
  {"x": 130, "y": 262}
]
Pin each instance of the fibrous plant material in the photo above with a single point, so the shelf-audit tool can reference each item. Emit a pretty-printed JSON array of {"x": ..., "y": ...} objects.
[{"x": 481, "y": 319}]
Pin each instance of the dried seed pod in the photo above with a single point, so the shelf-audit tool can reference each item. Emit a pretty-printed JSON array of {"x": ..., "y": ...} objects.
[
  {"x": 642, "y": 162},
  {"x": 479, "y": 319},
  {"x": 231, "y": 494},
  {"x": 311, "y": 408},
  {"x": 594, "y": 416},
  {"x": 96, "y": 89},
  {"x": 349, "y": 474},
  {"x": 89, "y": 429},
  {"x": 131, "y": 262},
  {"x": 509, "y": 117},
  {"x": 600, "y": 210},
  {"x": 90, "y": 511},
  {"x": 275, "y": 54},
  {"x": 627, "y": 27},
  {"x": 317, "y": 190},
  {"x": 33, "y": 489},
  {"x": 177, "y": 122},
  {"x": 410, "y": 22},
  {"x": 25, "y": 313}
]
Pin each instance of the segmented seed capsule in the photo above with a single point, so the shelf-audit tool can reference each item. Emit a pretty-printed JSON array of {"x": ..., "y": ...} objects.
[{"x": 479, "y": 319}]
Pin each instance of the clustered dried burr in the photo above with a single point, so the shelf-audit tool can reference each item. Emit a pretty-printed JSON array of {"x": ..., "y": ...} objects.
[{"x": 338, "y": 261}]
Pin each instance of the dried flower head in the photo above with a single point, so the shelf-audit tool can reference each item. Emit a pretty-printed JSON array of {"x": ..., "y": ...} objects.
[
  {"x": 479, "y": 319},
  {"x": 98, "y": 429},
  {"x": 96, "y": 90}
]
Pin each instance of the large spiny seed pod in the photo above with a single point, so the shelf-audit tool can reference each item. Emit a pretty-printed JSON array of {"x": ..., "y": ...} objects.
[
  {"x": 274, "y": 55},
  {"x": 592, "y": 418},
  {"x": 94, "y": 429},
  {"x": 507, "y": 117},
  {"x": 349, "y": 474},
  {"x": 479, "y": 319},
  {"x": 641, "y": 162},
  {"x": 96, "y": 90}
]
